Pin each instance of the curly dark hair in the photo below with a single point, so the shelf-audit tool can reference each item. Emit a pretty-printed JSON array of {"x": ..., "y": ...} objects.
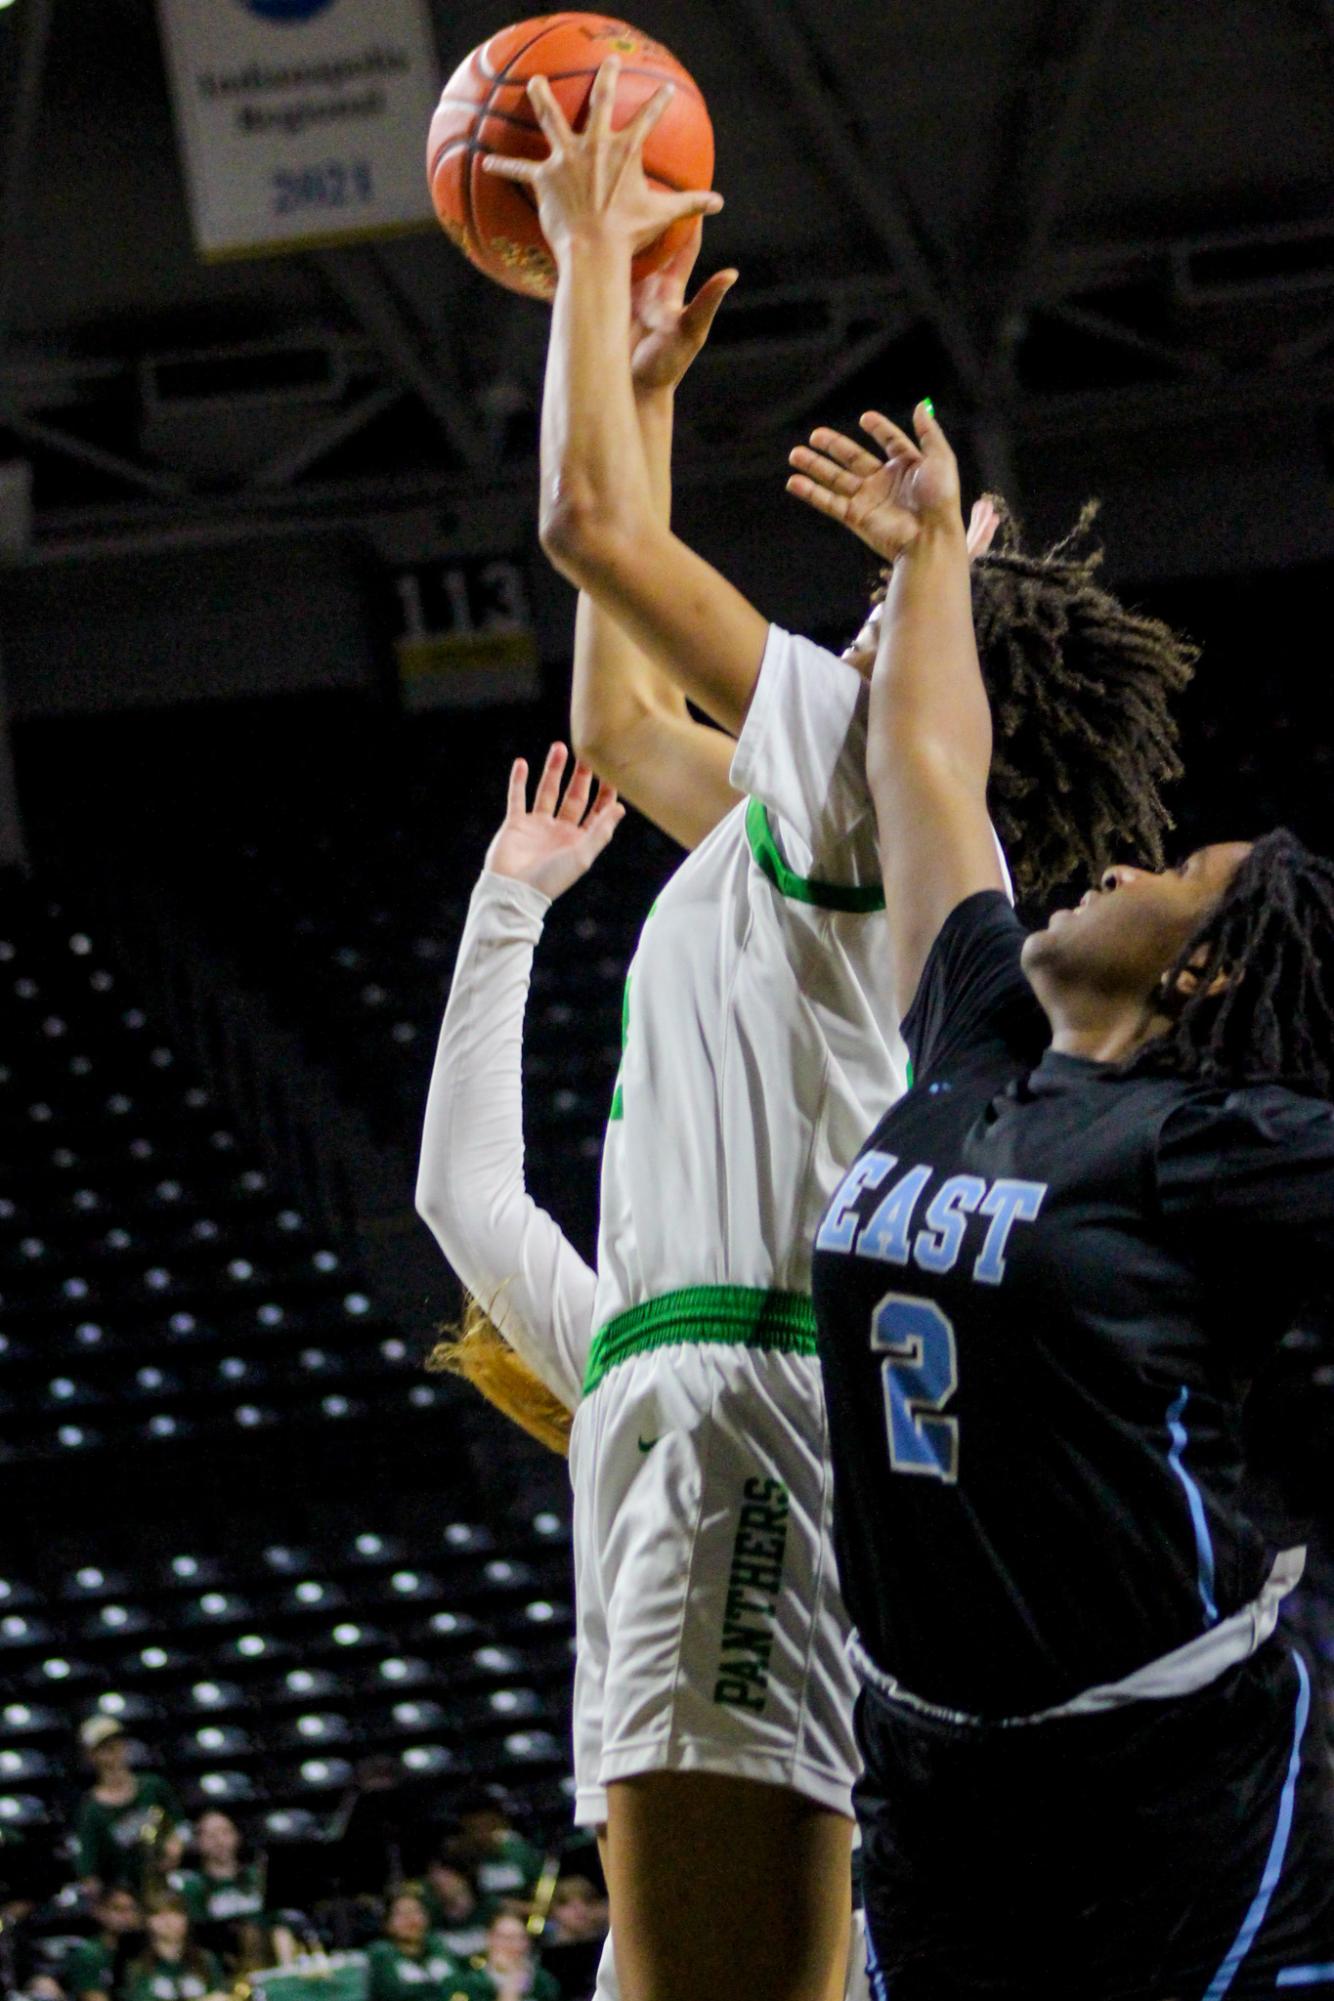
[
  {"x": 1271, "y": 938},
  {"x": 1084, "y": 740}
]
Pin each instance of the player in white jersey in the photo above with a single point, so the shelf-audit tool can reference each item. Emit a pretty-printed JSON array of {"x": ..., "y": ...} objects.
[
  {"x": 711, "y": 1678},
  {"x": 542, "y": 1296}
]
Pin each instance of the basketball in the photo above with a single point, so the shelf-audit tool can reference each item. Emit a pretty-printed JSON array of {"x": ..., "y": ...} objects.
[{"x": 484, "y": 109}]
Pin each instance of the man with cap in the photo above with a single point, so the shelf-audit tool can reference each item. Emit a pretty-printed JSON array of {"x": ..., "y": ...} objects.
[{"x": 129, "y": 1825}]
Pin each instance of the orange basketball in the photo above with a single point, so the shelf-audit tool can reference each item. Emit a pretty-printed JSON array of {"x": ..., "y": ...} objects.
[{"x": 484, "y": 109}]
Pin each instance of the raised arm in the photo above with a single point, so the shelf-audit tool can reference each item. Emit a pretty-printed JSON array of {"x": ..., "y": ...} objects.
[
  {"x": 628, "y": 717},
  {"x": 929, "y": 728},
  {"x": 599, "y": 524},
  {"x": 509, "y": 1253}
]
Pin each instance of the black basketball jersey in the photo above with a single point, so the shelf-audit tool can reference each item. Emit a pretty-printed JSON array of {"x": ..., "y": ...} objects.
[{"x": 1042, "y": 1291}]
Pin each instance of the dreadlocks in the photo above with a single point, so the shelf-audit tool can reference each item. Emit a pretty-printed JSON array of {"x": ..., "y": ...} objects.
[
  {"x": 1080, "y": 690},
  {"x": 1271, "y": 941}
]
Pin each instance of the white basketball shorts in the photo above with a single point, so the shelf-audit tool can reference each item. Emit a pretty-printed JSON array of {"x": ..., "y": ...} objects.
[{"x": 711, "y": 1633}]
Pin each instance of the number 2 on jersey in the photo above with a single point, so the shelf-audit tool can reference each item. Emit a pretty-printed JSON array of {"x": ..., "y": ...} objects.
[{"x": 920, "y": 1374}]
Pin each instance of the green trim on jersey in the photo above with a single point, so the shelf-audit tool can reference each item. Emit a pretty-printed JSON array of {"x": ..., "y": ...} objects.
[
  {"x": 803, "y": 889},
  {"x": 618, "y": 1094},
  {"x": 742, "y": 1316}
]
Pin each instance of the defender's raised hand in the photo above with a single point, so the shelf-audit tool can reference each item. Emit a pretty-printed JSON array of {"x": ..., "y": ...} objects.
[
  {"x": 593, "y": 182},
  {"x": 553, "y": 843},
  {"x": 666, "y": 334},
  {"x": 887, "y": 500}
]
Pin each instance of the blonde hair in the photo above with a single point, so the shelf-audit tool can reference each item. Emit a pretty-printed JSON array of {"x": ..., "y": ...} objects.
[{"x": 478, "y": 1351}]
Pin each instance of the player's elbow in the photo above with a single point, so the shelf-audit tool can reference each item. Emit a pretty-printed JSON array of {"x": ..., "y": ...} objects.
[
  {"x": 612, "y": 736},
  {"x": 571, "y": 529},
  {"x": 437, "y": 1210},
  {"x": 596, "y": 742},
  {"x": 589, "y": 543}
]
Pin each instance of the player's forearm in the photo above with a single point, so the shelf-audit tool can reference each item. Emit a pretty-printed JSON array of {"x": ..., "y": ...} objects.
[
  {"x": 928, "y": 701},
  {"x": 616, "y": 687},
  {"x": 655, "y": 410},
  {"x": 929, "y": 752},
  {"x": 594, "y": 477}
]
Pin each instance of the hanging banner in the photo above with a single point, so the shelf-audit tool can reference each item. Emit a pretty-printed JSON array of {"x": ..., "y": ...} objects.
[{"x": 300, "y": 122}]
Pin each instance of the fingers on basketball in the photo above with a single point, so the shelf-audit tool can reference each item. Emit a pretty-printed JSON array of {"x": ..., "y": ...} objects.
[
  {"x": 489, "y": 151},
  {"x": 510, "y": 169},
  {"x": 548, "y": 112},
  {"x": 602, "y": 96},
  {"x": 647, "y": 116}
]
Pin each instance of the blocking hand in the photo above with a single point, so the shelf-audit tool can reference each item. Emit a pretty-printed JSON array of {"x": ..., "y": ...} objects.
[
  {"x": 666, "y": 334},
  {"x": 886, "y": 501},
  {"x": 556, "y": 841}
]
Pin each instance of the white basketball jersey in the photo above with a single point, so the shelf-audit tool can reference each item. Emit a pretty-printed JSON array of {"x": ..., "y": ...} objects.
[{"x": 761, "y": 1042}]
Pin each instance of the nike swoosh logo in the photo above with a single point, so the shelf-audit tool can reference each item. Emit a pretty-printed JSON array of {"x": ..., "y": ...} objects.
[{"x": 647, "y": 1446}]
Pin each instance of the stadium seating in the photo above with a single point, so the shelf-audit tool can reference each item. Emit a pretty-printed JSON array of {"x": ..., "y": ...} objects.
[
  {"x": 260, "y": 1678},
  {"x": 154, "y": 1284}
]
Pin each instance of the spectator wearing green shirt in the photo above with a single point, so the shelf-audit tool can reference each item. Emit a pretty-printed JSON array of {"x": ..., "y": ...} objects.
[
  {"x": 223, "y": 1887},
  {"x": 173, "y": 1968},
  {"x": 408, "y": 1964},
  {"x": 128, "y": 1825},
  {"x": 90, "y": 1972},
  {"x": 500, "y": 1861},
  {"x": 508, "y": 1972},
  {"x": 459, "y": 1915},
  {"x": 224, "y": 1896}
]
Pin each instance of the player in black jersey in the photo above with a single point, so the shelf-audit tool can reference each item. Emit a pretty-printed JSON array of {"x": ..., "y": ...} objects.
[{"x": 1092, "y": 1765}]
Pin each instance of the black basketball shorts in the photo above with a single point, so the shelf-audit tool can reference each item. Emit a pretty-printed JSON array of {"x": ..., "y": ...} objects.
[{"x": 1172, "y": 1851}]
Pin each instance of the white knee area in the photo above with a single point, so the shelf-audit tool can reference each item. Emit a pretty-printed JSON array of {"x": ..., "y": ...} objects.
[{"x": 609, "y": 1987}]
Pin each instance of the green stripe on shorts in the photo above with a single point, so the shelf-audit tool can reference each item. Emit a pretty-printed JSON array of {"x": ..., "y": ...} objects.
[{"x": 742, "y": 1316}]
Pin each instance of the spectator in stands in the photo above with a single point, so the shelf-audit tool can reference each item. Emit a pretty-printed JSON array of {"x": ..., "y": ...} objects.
[
  {"x": 459, "y": 1915},
  {"x": 174, "y": 1968},
  {"x": 509, "y": 1971},
  {"x": 129, "y": 1825},
  {"x": 500, "y": 1861},
  {"x": 572, "y": 1943},
  {"x": 578, "y": 1913},
  {"x": 93, "y": 1970},
  {"x": 224, "y": 1896},
  {"x": 408, "y": 1964}
]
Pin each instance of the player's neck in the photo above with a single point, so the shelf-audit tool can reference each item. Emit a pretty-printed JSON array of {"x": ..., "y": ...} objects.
[{"x": 1099, "y": 1027}]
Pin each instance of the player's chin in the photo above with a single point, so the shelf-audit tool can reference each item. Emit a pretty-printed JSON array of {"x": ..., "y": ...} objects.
[{"x": 1049, "y": 946}]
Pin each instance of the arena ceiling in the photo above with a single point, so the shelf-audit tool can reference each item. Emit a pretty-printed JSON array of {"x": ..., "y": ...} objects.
[{"x": 1105, "y": 226}]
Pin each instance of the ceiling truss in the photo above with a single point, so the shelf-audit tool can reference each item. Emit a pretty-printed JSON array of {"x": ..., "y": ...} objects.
[{"x": 780, "y": 356}]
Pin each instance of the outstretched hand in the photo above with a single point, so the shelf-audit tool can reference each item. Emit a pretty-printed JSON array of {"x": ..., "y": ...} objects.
[
  {"x": 886, "y": 500},
  {"x": 593, "y": 181},
  {"x": 666, "y": 334},
  {"x": 553, "y": 843}
]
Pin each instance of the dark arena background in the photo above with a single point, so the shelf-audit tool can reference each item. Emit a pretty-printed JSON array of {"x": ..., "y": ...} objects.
[{"x": 273, "y": 619}]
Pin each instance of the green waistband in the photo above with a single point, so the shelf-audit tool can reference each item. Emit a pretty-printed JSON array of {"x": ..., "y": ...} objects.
[{"x": 743, "y": 1316}]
